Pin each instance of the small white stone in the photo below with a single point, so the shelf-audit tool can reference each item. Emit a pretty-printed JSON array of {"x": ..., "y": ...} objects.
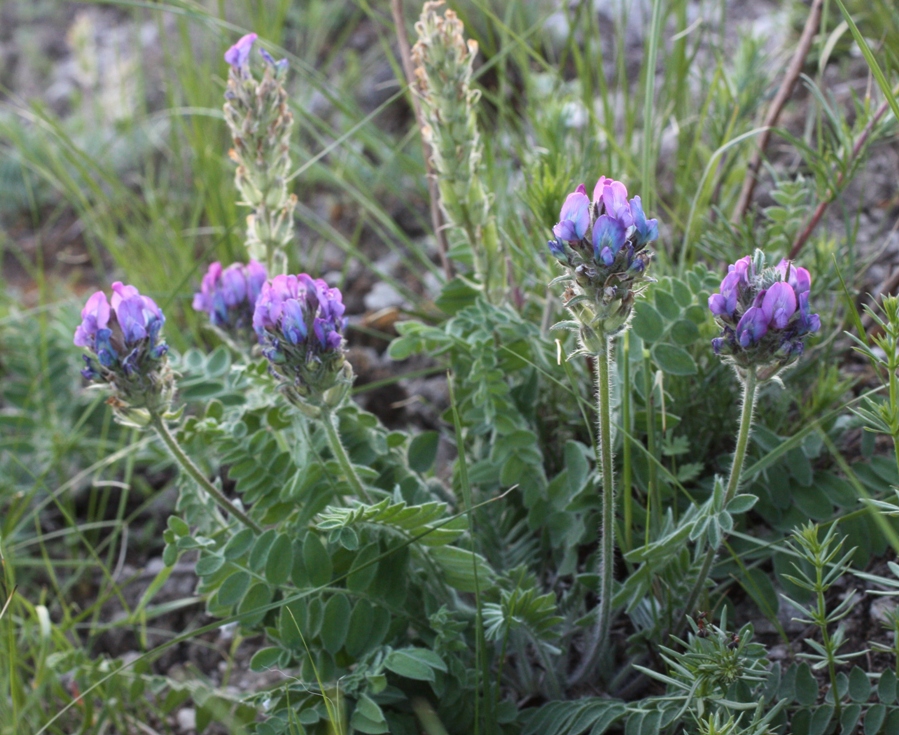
[
  {"x": 187, "y": 718},
  {"x": 381, "y": 296}
]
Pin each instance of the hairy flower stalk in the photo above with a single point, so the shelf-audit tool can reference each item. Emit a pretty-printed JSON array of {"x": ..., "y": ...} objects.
[
  {"x": 299, "y": 321},
  {"x": 260, "y": 123},
  {"x": 764, "y": 317},
  {"x": 228, "y": 296},
  {"x": 602, "y": 244},
  {"x": 128, "y": 354},
  {"x": 443, "y": 67}
]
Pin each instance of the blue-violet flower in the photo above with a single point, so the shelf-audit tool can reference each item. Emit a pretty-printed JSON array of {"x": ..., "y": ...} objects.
[
  {"x": 763, "y": 313},
  {"x": 229, "y": 297},
  {"x": 299, "y": 321},
  {"x": 602, "y": 244},
  {"x": 126, "y": 351}
]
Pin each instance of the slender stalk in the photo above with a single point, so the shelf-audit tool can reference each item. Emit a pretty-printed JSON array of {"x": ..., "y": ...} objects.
[
  {"x": 654, "y": 503},
  {"x": 600, "y": 637},
  {"x": 191, "y": 469},
  {"x": 628, "y": 497},
  {"x": 820, "y": 588},
  {"x": 343, "y": 459},
  {"x": 749, "y": 389}
]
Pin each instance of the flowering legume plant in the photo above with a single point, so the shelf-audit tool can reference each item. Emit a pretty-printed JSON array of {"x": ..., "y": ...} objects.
[{"x": 573, "y": 566}]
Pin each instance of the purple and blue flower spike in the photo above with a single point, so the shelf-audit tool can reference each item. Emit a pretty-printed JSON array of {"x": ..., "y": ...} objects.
[
  {"x": 229, "y": 298},
  {"x": 299, "y": 321},
  {"x": 603, "y": 243},
  {"x": 126, "y": 351},
  {"x": 763, "y": 314}
]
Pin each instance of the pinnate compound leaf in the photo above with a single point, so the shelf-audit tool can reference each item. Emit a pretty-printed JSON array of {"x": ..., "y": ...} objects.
[
  {"x": 886, "y": 687},
  {"x": 859, "y": 686},
  {"x": 742, "y": 503},
  {"x": 806, "y": 686},
  {"x": 673, "y": 360},
  {"x": 414, "y": 663},
  {"x": 265, "y": 658},
  {"x": 280, "y": 561},
  {"x": 647, "y": 323},
  {"x": 335, "y": 623},
  {"x": 874, "y": 718}
]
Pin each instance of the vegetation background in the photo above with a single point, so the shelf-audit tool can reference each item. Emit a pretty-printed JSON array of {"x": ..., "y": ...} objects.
[{"x": 113, "y": 165}]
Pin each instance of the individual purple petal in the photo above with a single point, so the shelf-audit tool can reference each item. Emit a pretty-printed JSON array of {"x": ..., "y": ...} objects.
[
  {"x": 130, "y": 314},
  {"x": 94, "y": 316},
  {"x": 743, "y": 269},
  {"x": 293, "y": 322},
  {"x": 779, "y": 304},
  {"x": 256, "y": 276},
  {"x": 607, "y": 233},
  {"x": 334, "y": 301},
  {"x": 239, "y": 54},
  {"x": 726, "y": 301},
  {"x": 718, "y": 305},
  {"x": 614, "y": 199},
  {"x": 234, "y": 285},
  {"x": 203, "y": 298},
  {"x": 574, "y": 218},
  {"x": 798, "y": 278},
  {"x": 106, "y": 354},
  {"x": 752, "y": 327},
  {"x": 151, "y": 310},
  {"x": 647, "y": 230},
  {"x": 807, "y": 322},
  {"x": 558, "y": 249},
  {"x": 120, "y": 291}
]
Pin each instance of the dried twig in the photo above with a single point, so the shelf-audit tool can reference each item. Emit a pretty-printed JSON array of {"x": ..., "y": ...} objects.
[
  {"x": 783, "y": 94},
  {"x": 436, "y": 217},
  {"x": 835, "y": 190}
]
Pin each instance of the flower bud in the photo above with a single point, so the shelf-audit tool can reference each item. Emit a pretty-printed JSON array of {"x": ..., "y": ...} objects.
[
  {"x": 300, "y": 323},
  {"x": 126, "y": 352},
  {"x": 602, "y": 244},
  {"x": 763, "y": 314}
]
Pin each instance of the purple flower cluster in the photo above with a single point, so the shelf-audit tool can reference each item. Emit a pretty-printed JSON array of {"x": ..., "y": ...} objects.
[
  {"x": 602, "y": 242},
  {"x": 122, "y": 335},
  {"x": 299, "y": 321},
  {"x": 229, "y": 296},
  {"x": 763, "y": 312},
  {"x": 619, "y": 226}
]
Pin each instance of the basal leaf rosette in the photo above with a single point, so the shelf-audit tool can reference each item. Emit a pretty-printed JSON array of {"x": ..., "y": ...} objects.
[
  {"x": 764, "y": 315},
  {"x": 299, "y": 321},
  {"x": 126, "y": 352},
  {"x": 602, "y": 243},
  {"x": 228, "y": 297}
]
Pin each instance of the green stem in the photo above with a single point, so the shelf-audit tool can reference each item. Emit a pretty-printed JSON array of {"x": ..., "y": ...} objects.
[
  {"x": 749, "y": 389},
  {"x": 628, "y": 497},
  {"x": 191, "y": 469},
  {"x": 343, "y": 459},
  {"x": 654, "y": 502},
  {"x": 825, "y": 636},
  {"x": 600, "y": 636}
]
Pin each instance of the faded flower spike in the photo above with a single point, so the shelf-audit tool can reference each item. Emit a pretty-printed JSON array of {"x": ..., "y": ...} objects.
[
  {"x": 229, "y": 298},
  {"x": 602, "y": 243},
  {"x": 260, "y": 123},
  {"x": 126, "y": 352},
  {"x": 300, "y": 322},
  {"x": 763, "y": 314}
]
